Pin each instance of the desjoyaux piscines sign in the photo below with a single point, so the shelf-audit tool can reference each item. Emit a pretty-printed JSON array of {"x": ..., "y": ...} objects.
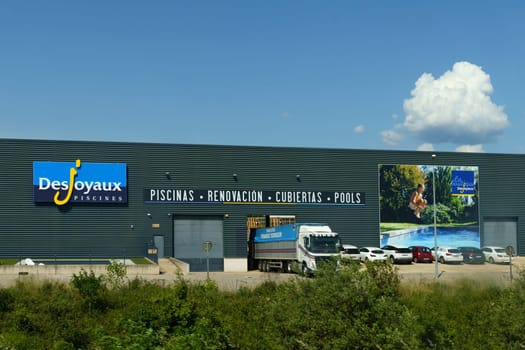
[{"x": 77, "y": 182}]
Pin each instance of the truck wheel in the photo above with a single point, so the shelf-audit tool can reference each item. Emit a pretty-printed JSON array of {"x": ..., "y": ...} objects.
[
  {"x": 260, "y": 265},
  {"x": 286, "y": 267},
  {"x": 305, "y": 270},
  {"x": 266, "y": 266},
  {"x": 289, "y": 267}
]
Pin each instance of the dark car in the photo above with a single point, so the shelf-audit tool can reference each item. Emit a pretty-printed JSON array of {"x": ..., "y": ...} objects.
[
  {"x": 472, "y": 255},
  {"x": 421, "y": 253}
]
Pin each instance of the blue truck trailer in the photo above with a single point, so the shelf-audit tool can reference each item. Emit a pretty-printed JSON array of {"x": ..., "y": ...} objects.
[{"x": 305, "y": 245}]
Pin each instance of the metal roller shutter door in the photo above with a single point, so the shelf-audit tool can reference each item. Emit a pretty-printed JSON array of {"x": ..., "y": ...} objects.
[
  {"x": 188, "y": 236},
  {"x": 500, "y": 233}
]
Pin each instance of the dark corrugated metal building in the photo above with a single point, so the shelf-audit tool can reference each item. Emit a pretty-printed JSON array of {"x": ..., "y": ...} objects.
[{"x": 180, "y": 195}]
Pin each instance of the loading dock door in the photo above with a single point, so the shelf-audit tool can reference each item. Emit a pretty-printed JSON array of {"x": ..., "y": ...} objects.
[
  {"x": 188, "y": 236},
  {"x": 500, "y": 232}
]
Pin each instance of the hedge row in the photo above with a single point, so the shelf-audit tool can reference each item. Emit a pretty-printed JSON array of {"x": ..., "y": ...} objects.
[{"x": 347, "y": 308}]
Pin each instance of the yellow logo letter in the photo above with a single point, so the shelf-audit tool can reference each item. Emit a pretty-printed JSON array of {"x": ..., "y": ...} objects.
[{"x": 72, "y": 174}]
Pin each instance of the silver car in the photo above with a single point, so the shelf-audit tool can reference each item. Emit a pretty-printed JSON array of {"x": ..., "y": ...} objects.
[
  {"x": 449, "y": 255},
  {"x": 495, "y": 254},
  {"x": 372, "y": 254},
  {"x": 350, "y": 252},
  {"x": 398, "y": 254}
]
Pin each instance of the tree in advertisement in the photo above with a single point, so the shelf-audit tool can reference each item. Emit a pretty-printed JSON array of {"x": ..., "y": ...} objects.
[{"x": 396, "y": 183}]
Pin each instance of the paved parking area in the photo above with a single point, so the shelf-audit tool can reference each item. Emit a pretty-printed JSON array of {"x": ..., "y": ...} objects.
[
  {"x": 408, "y": 273},
  {"x": 450, "y": 272},
  {"x": 412, "y": 273}
]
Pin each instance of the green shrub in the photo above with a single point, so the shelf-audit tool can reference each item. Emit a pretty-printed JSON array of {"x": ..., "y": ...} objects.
[
  {"x": 6, "y": 300},
  {"x": 91, "y": 288},
  {"x": 442, "y": 214},
  {"x": 116, "y": 274},
  {"x": 342, "y": 307},
  {"x": 345, "y": 308},
  {"x": 468, "y": 314}
]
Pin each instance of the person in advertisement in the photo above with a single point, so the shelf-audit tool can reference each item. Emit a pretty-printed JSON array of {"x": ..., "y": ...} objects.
[{"x": 417, "y": 202}]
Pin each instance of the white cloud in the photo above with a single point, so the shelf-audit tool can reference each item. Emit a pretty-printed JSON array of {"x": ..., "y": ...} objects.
[
  {"x": 425, "y": 147},
  {"x": 359, "y": 129},
  {"x": 285, "y": 114},
  {"x": 471, "y": 148},
  {"x": 455, "y": 107},
  {"x": 391, "y": 137}
]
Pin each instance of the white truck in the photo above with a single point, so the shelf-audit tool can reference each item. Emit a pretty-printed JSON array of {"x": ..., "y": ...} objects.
[{"x": 306, "y": 245}]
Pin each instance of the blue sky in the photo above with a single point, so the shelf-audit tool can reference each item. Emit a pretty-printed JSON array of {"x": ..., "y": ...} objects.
[{"x": 337, "y": 74}]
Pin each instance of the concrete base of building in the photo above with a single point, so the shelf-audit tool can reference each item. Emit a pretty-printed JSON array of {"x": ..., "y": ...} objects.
[
  {"x": 69, "y": 270},
  {"x": 174, "y": 266},
  {"x": 235, "y": 265}
]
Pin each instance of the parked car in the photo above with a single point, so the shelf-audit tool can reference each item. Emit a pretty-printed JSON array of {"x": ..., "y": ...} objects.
[
  {"x": 449, "y": 255},
  {"x": 433, "y": 252},
  {"x": 421, "y": 254},
  {"x": 495, "y": 254},
  {"x": 350, "y": 252},
  {"x": 372, "y": 254},
  {"x": 472, "y": 255},
  {"x": 398, "y": 254}
]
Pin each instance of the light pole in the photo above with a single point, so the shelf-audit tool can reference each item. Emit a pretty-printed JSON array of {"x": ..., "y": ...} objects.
[
  {"x": 206, "y": 246},
  {"x": 436, "y": 268}
]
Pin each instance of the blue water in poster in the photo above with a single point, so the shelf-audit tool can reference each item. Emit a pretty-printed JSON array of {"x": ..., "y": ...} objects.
[{"x": 446, "y": 236}]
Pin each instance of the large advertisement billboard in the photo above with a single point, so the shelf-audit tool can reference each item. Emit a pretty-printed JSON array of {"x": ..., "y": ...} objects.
[{"x": 407, "y": 205}]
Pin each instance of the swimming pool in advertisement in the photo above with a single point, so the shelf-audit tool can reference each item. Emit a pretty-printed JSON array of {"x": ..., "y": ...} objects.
[{"x": 424, "y": 235}]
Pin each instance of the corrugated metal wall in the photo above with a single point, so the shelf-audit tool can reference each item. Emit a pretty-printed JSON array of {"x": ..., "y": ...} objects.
[{"x": 27, "y": 229}]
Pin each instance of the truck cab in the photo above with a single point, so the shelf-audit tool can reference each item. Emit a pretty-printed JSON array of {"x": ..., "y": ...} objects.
[{"x": 316, "y": 243}]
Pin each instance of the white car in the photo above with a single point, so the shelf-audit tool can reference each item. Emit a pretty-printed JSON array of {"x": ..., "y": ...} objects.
[
  {"x": 449, "y": 255},
  {"x": 350, "y": 252},
  {"x": 372, "y": 254},
  {"x": 398, "y": 254},
  {"x": 495, "y": 254},
  {"x": 433, "y": 252}
]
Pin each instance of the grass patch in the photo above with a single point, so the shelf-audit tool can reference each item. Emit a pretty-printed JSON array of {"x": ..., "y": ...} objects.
[
  {"x": 141, "y": 261},
  {"x": 385, "y": 227},
  {"x": 394, "y": 226},
  {"x": 8, "y": 261}
]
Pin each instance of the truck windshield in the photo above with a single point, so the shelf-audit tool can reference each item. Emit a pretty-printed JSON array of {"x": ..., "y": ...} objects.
[{"x": 325, "y": 244}]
